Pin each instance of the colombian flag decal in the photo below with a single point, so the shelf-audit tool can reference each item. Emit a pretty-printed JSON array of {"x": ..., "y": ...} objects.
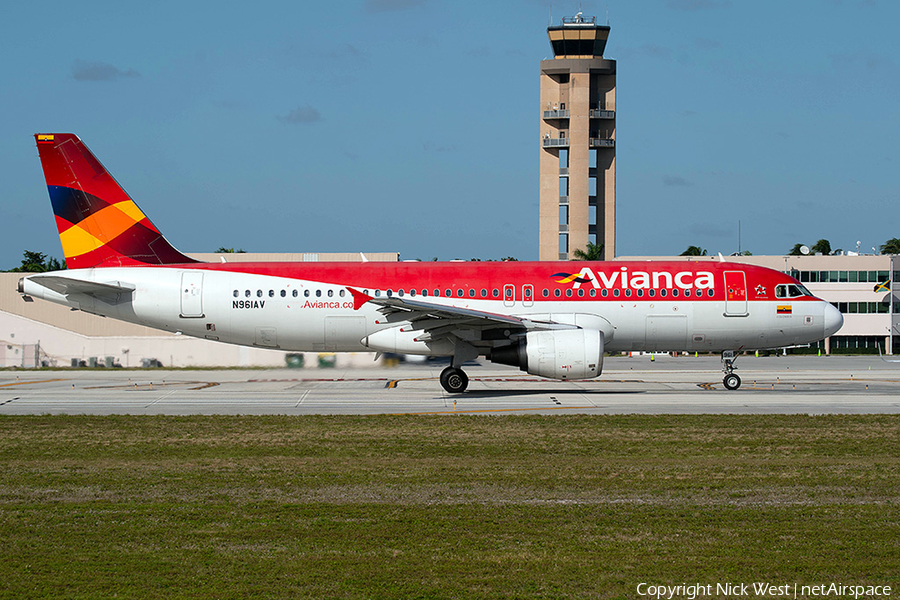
[
  {"x": 45, "y": 137},
  {"x": 784, "y": 309}
]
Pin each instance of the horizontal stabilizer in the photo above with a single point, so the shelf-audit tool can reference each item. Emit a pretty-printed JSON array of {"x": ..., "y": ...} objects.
[{"x": 67, "y": 286}]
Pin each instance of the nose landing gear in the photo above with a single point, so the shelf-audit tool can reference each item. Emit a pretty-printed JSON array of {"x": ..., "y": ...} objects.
[{"x": 731, "y": 381}]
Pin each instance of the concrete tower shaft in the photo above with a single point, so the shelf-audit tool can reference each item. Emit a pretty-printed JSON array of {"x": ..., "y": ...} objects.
[{"x": 578, "y": 132}]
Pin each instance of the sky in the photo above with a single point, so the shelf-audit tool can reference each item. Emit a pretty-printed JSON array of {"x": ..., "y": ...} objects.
[{"x": 413, "y": 126}]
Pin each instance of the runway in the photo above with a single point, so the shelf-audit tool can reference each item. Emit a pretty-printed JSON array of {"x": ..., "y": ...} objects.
[{"x": 666, "y": 385}]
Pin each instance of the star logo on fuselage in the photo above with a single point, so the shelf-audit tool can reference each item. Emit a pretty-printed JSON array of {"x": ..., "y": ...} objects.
[{"x": 760, "y": 290}]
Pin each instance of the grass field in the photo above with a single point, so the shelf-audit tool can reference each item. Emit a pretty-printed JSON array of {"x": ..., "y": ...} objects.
[{"x": 443, "y": 507}]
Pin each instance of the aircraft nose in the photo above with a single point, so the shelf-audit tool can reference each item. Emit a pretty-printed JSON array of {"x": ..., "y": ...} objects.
[{"x": 833, "y": 320}]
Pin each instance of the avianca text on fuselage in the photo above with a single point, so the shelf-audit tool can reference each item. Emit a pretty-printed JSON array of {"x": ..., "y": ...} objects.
[{"x": 622, "y": 278}]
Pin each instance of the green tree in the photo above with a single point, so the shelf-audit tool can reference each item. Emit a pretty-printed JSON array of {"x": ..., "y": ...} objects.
[
  {"x": 224, "y": 250},
  {"x": 37, "y": 262},
  {"x": 795, "y": 251},
  {"x": 823, "y": 246},
  {"x": 592, "y": 252},
  {"x": 892, "y": 246},
  {"x": 694, "y": 251}
]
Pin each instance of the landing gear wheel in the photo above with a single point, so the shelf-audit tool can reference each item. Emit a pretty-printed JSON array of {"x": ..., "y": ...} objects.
[
  {"x": 732, "y": 381},
  {"x": 454, "y": 380}
]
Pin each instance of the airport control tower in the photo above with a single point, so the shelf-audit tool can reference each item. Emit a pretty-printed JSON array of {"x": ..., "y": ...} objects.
[{"x": 578, "y": 141}]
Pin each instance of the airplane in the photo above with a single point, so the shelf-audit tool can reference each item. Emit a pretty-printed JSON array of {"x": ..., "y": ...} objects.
[{"x": 550, "y": 319}]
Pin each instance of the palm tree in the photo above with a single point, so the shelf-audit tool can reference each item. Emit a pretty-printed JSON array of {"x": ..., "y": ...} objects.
[
  {"x": 592, "y": 252},
  {"x": 795, "y": 251},
  {"x": 823, "y": 246},
  {"x": 892, "y": 246},
  {"x": 694, "y": 251}
]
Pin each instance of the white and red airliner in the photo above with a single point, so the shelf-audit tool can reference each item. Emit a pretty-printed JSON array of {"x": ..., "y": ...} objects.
[{"x": 552, "y": 319}]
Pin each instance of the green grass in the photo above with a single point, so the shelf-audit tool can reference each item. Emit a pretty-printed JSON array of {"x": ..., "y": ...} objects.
[{"x": 442, "y": 507}]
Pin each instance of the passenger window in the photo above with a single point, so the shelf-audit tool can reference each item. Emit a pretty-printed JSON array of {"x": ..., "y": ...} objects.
[
  {"x": 495, "y": 293},
  {"x": 294, "y": 293},
  {"x": 640, "y": 293},
  {"x": 557, "y": 293},
  {"x": 412, "y": 293},
  {"x": 236, "y": 294},
  {"x": 390, "y": 293},
  {"x": 318, "y": 293},
  {"x": 628, "y": 293},
  {"x": 330, "y": 293},
  {"x": 448, "y": 293},
  {"x": 259, "y": 293},
  {"x": 459, "y": 292},
  {"x": 342, "y": 292},
  {"x": 709, "y": 293},
  {"x": 247, "y": 293},
  {"x": 616, "y": 293},
  {"x": 569, "y": 293},
  {"x": 306, "y": 293},
  {"x": 471, "y": 293},
  {"x": 271, "y": 293},
  {"x": 283, "y": 293},
  {"x": 483, "y": 293},
  {"x": 581, "y": 293},
  {"x": 545, "y": 292}
]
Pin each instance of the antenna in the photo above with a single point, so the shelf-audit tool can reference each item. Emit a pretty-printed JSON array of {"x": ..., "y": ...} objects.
[{"x": 607, "y": 15}]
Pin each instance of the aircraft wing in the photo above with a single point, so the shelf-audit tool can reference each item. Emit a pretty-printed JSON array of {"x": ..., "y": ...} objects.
[
  {"x": 438, "y": 320},
  {"x": 66, "y": 285}
]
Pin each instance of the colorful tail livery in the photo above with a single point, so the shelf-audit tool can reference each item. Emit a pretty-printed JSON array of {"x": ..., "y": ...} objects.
[
  {"x": 99, "y": 224},
  {"x": 550, "y": 319}
]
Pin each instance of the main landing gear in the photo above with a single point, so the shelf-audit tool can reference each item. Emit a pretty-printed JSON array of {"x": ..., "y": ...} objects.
[
  {"x": 731, "y": 381},
  {"x": 454, "y": 380}
]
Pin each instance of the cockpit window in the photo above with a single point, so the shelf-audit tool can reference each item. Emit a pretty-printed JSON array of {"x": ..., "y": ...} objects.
[{"x": 791, "y": 290}]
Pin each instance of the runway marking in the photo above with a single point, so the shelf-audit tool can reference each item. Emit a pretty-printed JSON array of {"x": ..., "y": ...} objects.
[
  {"x": 161, "y": 398},
  {"x": 302, "y": 398},
  {"x": 8, "y": 401},
  {"x": 3, "y": 385},
  {"x": 706, "y": 386},
  {"x": 146, "y": 387}
]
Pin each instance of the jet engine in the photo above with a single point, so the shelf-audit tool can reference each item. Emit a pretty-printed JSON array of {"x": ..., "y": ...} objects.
[{"x": 558, "y": 354}]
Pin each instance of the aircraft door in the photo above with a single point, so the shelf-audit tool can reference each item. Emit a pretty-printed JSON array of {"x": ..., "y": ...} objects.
[
  {"x": 735, "y": 294},
  {"x": 192, "y": 294},
  {"x": 509, "y": 295},
  {"x": 527, "y": 295}
]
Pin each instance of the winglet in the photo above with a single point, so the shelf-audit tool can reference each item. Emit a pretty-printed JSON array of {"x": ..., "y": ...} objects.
[{"x": 358, "y": 298}]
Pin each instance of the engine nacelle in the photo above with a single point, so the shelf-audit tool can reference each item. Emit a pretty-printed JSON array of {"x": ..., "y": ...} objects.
[{"x": 559, "y": 354}]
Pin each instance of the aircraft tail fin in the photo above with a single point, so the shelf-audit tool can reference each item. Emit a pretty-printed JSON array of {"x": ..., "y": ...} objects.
[{"x": 99, "y": 224}]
